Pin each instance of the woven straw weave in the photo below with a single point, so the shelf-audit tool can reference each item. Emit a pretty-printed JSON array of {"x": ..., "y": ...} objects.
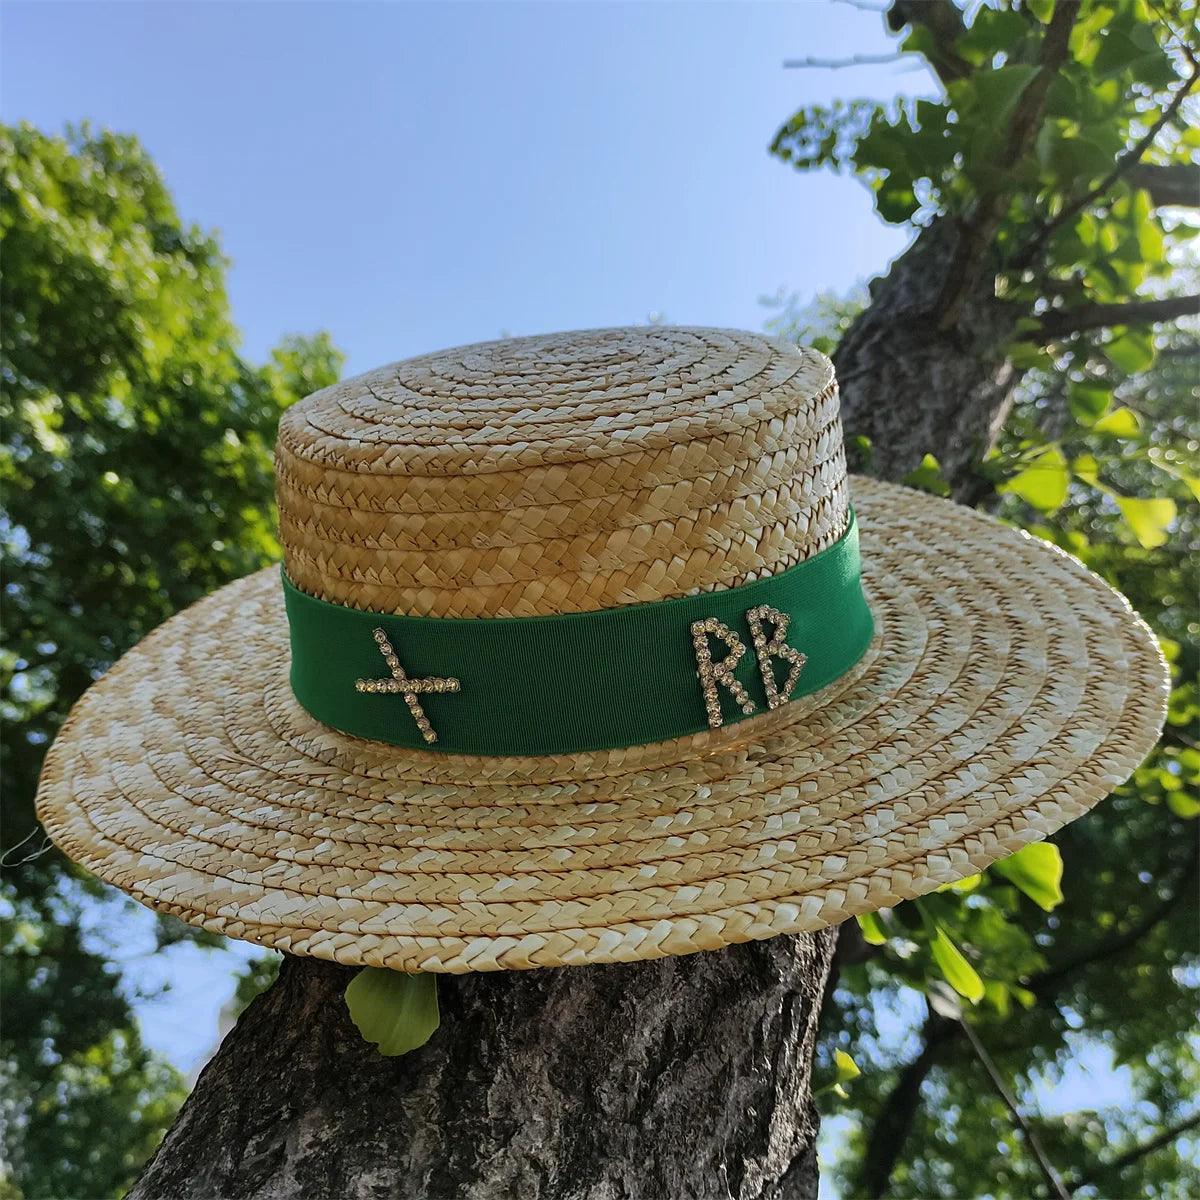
[
  {"x": 1007, "y": 689},
  {"x": 563, "y": 473}
]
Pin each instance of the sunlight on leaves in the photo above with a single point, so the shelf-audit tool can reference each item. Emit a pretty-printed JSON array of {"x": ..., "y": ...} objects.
[
  {"x": 958, "y": 973},
  {"x": 1184, "y": 806},
  {"x": 871, "y": 929},
  {"x": 1121, "y": 422},
  {"x": 844, "y": 1070},
  {"x": 928, "y": 477},
  {"x": 1043, "y": 482},
  {"x": 1148, "y": 519},
  {"x": 1037, "y": 871}
]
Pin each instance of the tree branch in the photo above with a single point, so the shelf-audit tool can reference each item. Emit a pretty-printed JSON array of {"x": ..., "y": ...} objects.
[
  {"x": 836, "y": 64},
  {"x": 1046, "y": 982},
  {"x": 1167, "y": 17},
  {"x": 1080, "y": 1179},
  {"x": 1125, "y": 163},
  {"x": 1059, "y": 322},
  {"x": 943, "y": 20},
  {"x": 977, "y": 233},
  {"x": 1049, "y": 1174},
  {"x": 894, "y": 1121},
  {"x": 1173, "y": 185}
]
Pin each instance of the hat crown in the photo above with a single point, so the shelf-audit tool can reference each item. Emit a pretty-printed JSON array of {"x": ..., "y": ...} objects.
[{"x": 562, "y": 473}]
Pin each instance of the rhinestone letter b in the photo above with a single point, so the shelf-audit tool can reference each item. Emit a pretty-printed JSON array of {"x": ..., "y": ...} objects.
[{"x": 776, "y": 647}]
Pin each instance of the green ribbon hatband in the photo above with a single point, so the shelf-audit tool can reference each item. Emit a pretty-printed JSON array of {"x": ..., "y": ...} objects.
[{"x": 601, "y": 680}]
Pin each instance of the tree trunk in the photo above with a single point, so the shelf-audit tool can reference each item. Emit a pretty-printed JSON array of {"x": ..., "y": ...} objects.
[
  {"x": 675, "y": 1079},
  {"x": 912, "y": 387}
]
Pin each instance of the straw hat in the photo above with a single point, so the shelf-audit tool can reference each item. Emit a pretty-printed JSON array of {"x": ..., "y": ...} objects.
[{"x": 533, "y": 492}]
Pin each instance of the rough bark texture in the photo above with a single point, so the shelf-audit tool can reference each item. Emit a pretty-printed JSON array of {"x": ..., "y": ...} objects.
[
  {"x": 667, "y": 1080},
  {"x": 912, "y": 388}
]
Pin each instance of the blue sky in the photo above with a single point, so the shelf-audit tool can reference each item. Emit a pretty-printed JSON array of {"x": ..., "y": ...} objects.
[{"x": 412, "y": 176}]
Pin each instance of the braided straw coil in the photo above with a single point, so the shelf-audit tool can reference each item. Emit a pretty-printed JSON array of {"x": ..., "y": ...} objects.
[
  {"x": 1006, "y": 691},
  {"x": 562, "y": 474}
]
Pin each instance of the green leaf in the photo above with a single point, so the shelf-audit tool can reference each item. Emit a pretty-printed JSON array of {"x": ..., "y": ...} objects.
[
  {"x": 928, "y": 477},
  {"x": 1131, "y": 352},
  {"x": 871, "y": 929},
  {"x": 1148, "y": 518},
  {"x": 1119, "y": 51},
  {"x": 395, "y": 1010},
  {"x": 1072, "y": 158},
  {"x": 1184, "y": 805},
  {"x": 1029, "y": 357},
  {"x": 1149, "y": 231},
  {"x": 1043, "y": 483},
  {"x": 1042, "y": 10},
  {"x": 962, "y": 887},
  {"x": 895, "y": 201},
  {"x": 998, "y": 91},
  {"x": 1037, "y": 871},
  {"x": 1088, "y": 401},
  {"x": 994, "y": 30},
  {"x": 997, "y": 996},
  {"x": 1192, "y": 482},
  {"x": 985, "y": 102},
  {"x": 845, "y": 1067},
  {"x": 1087, "y": 468},
  {"x": 1085, "y": 34},
  {"x": 920, "y": 40},
  {"x": 959, "y": 973},
  {"x": 1121, "y": 422},
  {"x": 844, "y": 1070}
]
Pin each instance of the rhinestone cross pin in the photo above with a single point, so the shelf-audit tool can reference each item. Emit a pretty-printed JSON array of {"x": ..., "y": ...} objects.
[{"x": 409, "y": 688}]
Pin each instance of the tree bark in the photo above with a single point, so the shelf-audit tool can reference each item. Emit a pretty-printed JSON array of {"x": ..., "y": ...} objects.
[
  {"x": 912, "y": 388},
  {"x": 674, "y": 1079}
]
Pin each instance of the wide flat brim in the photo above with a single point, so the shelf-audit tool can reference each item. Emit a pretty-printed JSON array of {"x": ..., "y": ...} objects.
[{"x": 1007, "y": 690}]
